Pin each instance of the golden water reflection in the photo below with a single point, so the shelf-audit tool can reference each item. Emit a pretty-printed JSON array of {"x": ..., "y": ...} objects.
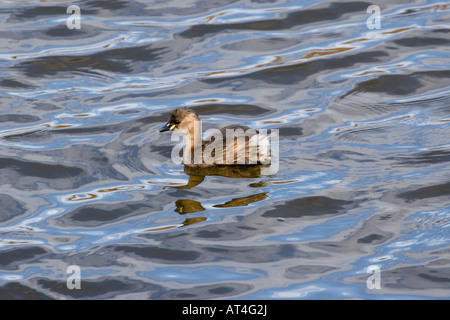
[
  {"x": 243, "y": 201},
  {"x": 188, "y": 206},
  {"x": 197, "y": 175}
]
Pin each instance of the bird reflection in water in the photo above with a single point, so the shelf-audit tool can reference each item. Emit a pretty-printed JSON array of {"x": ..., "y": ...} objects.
[{"x": 197, "y": 175}]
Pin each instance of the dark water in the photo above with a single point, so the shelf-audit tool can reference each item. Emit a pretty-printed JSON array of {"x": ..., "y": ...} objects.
[{"x": 364, "y": 122}]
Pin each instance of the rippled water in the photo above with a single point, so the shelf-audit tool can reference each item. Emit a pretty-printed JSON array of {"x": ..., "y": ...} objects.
[{"x": 364, "y": 122}]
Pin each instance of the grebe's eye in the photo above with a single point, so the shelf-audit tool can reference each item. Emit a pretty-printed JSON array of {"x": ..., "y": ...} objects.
[{"x": 176, "y": 122}]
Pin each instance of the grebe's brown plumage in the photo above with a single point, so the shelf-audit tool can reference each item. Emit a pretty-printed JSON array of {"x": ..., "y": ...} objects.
[{"x": 183, "y": 120}]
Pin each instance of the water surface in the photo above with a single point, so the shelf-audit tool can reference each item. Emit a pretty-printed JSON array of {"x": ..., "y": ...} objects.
[{"x": 86, "y": 179}]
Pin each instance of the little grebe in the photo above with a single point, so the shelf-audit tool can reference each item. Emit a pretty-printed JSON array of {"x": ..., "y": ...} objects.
[{"x": 246, "y": 146}]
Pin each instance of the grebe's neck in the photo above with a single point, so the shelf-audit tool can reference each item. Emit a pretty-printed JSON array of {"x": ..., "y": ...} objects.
[{"x": 193, "y": 151}]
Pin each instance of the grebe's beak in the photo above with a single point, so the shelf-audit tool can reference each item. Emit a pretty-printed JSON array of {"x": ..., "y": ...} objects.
[{"x": 167, "y": 127}]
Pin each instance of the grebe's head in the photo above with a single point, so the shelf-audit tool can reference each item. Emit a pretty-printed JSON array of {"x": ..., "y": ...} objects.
[{"x": 181, "y": 119}]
